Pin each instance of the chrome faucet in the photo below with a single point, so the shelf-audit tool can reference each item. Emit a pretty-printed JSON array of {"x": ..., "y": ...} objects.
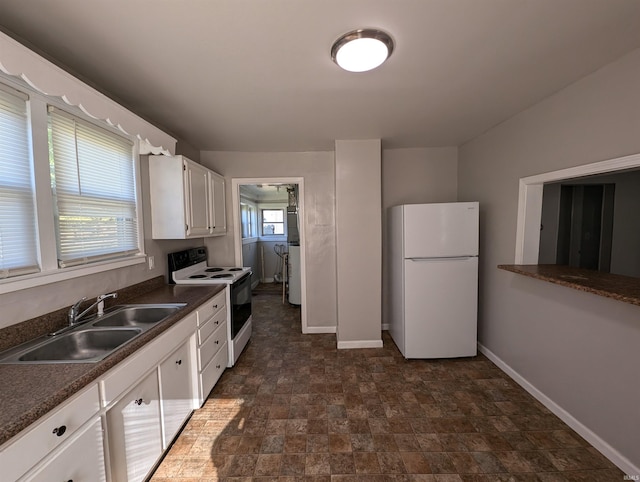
[{"x": 74, "y": 317}]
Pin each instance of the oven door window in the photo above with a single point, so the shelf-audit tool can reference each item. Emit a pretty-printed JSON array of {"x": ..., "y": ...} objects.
[{"x": 241, "y": 303}]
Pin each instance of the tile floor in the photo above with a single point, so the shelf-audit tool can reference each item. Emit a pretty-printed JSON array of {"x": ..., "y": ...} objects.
[{"x": 295, "y": 408}]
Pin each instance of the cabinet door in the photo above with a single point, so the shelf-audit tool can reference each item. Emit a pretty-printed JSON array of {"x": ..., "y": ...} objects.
[
  {"x": 135, "y": 440},
  {"x": 218, "y": 208},
  {"x": 175, "y": 392},
  {"x": 81, "y": 461},
  {"x": 197, "y": 202}
]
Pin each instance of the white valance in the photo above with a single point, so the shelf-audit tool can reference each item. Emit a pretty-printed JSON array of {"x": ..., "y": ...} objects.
[{"x": 18, "y": 61}]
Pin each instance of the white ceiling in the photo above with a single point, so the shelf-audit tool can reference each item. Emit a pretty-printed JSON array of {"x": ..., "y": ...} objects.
[
  {"x": 256, "y": 75},
  {"x": 266, "y": 192}
]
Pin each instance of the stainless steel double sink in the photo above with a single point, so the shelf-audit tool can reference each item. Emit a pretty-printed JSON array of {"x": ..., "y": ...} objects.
[{"x": 93, "y": 339}]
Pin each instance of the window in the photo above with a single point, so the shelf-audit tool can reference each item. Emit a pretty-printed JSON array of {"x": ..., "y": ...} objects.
[
  {"x": 18, "y": 240},
  {"x": 272, "y": 222},
  {"x": 69, "y": 192},
  {"x": 248, "y": 215},
  {"x": 93, "y": 183}
]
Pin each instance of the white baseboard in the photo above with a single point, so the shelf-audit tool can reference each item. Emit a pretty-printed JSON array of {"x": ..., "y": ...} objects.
[
  {"x": 320, "y": 329},
  {"x": 345, "y": 345},
  {"x": 385, "y": 327},
  {"x": 267, "y": 280},
  {"x": 603, "y": 447}
]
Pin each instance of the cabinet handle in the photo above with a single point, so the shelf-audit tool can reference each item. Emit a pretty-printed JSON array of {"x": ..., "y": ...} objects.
[
  {"x": 138, "y": 401},
  {"x": 217, "y": 322},
  {"x": 59, "y": 431},
  {"x": 218, "y": 367},
  {"x": 215, "y": 306},
  {"x": 217, "y": 342},
  {"x": 178, "y": 362}
]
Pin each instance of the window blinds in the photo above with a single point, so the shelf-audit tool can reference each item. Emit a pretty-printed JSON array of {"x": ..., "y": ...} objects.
[
  {"x": 93, "y": 182},
  {"x": 18, "y": 245}
]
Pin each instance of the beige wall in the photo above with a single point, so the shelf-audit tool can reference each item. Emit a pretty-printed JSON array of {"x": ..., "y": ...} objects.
[
  {"x": 578, "y": 349},
  {"x": 317, "y": 169},
  {"x": 29, "y": 303},
  {"x": 413, "y": 176},
  {"x": 359, "y": 243}
]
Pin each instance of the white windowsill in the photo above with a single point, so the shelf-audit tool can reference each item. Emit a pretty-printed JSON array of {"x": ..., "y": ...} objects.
[
  {"x": 39, "y": 279},
  {"x": 249, "y": 240}
]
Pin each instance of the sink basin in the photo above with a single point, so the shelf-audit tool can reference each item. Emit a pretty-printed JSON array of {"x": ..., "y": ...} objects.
[
  {"x": 83, "y": 345},
  {"x": 94, "y": 339},
  {"x": 137, "y": 315}
]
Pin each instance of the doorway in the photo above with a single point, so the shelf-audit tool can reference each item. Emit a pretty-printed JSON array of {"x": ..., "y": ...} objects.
[{"x": 269, "y": 234}]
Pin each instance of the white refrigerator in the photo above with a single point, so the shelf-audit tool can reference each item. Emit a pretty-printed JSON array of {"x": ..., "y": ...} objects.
[{"x": 433, "y": 279}]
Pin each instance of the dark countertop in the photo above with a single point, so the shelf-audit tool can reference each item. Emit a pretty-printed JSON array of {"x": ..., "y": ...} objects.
[
  {"x": 615, "y": 286},
  {"x": 31, "y": 391}
]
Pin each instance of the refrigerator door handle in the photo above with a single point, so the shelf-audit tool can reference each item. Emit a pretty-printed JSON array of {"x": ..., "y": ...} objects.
[{"x": 449, "y": 258}]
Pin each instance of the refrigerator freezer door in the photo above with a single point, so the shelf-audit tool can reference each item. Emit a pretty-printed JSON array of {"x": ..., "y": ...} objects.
[
  {"x": 439, "y": 230},
  {"x": 441, "y": 299}
]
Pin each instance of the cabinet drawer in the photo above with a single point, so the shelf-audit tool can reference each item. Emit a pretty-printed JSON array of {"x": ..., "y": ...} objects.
[
  {"x": 213, "y": 370},
  {"x": 81, "y": 460},
  {"x": 211, "y": 345},
  {"x": 207, "y": 310},
  {"x": 212, "y": 325},
  {"x": 134, "y": 367},
  {"x": 50, "y": 431}
]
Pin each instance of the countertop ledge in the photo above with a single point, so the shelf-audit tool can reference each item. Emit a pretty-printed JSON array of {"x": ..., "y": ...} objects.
[
  {"x": 31, "y": 391},
  {"x": 614, "y": 286}
]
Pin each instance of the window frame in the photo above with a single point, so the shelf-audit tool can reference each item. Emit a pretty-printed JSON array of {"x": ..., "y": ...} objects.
[
  {"x": 283, "y": 210},
  {"x": 33, "y": 249},
  {"x": 252, "y": 214},
  {"x": 37, "y": 106}
]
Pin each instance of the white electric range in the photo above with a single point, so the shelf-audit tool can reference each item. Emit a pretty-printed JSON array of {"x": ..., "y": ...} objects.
[{"x": 189, "y": 267}]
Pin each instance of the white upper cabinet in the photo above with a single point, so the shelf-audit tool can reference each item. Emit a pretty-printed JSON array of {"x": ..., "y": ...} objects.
[
  {"x": 187, "y": 199},
  {"x": 218, "y": 220},
  {"x": 198, "y": 200}
]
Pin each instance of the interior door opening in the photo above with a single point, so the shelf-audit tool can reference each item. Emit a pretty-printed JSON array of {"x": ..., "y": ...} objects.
[{"x": 268, "y": 214}]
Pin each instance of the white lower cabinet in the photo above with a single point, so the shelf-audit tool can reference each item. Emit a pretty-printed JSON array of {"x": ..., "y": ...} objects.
[
  {"x": 134, "y": 433},
  {"x": 175, "y": 391},
  {"x": 50, "y": 435},
  {"x": 82, "y": 460},
  {"x": 212, "y": 348},
  {"x": 213, "y": 371},
  {"x": 117, "y": 428}
]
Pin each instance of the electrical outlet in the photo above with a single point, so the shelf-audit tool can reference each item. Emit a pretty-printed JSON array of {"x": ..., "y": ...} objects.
[{"x": 151, "y": 261}]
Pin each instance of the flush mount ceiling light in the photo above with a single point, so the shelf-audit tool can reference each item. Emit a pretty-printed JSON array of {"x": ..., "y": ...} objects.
[{"x": 362, "y": 49}]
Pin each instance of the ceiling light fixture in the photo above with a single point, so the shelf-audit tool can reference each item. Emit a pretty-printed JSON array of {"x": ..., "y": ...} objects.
[{"x": 362, "y": 49}]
